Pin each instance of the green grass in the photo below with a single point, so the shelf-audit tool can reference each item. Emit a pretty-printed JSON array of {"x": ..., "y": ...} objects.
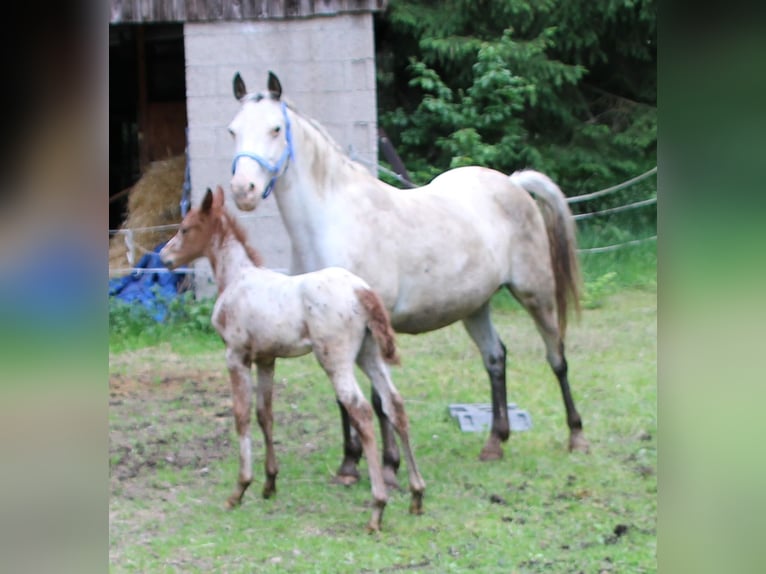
[{"x": 173, "y": 455}]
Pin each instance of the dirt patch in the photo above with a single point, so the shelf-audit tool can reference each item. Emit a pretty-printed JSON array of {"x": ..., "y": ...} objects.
[{"x": 170, "y": 411}]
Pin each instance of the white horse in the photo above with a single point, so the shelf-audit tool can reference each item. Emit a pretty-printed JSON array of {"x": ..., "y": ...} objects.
[
  {"x": 262, "y": 315},
  {"x": 435, "y": 254}
]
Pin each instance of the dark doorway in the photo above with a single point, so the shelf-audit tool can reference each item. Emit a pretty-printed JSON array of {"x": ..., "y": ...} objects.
[{"x": 147, "y": 104}]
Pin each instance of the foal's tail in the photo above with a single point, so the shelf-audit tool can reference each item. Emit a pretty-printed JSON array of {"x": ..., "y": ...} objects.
[
  {"x": 379, "y": 324},
  {"x": 561, "y": 238}
]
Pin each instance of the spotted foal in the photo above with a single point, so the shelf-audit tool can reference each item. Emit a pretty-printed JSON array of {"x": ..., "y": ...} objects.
[{"x": 262, "y": 315}]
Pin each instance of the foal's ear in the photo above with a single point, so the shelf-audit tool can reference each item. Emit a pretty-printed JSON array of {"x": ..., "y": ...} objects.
[
  {"x": 207, "y": 202},
  {"x": 218, "y": 197},
  {"x": 239, "y": 86},
  {"x": 274, "y": 86}
]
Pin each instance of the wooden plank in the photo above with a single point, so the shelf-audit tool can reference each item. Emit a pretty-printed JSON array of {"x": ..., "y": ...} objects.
[
  {"x": 136, "y": 11},
  {"x": 254, "y": 9},
  {"x": 232, "y": 10},
  {"x": 276, "y": 9},
  {"x": 143, "y": 149},
  {"x": 165, "y": 133}
]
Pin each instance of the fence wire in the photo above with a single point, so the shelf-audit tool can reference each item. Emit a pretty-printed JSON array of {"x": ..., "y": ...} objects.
[{"x": 132, "y": 245}]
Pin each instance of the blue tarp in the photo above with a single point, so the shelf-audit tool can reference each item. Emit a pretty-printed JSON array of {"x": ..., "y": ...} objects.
[{"x": 152, "y": 289}]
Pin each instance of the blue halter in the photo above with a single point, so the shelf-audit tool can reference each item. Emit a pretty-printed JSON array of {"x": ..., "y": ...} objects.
[{"x": 276, "y": 168}]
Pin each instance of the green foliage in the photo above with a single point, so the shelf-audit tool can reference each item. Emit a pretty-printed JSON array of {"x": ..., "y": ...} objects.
[
  {"x": 568, "y": 88},
  {"x": 132, "y": 325},
  {"x": 595, "y": 291}
]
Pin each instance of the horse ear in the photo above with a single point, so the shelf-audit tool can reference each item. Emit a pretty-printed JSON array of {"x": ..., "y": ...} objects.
[
  {"x": 239, "y": 86},
  {"x": 207, "y": 202},
  {"x": 218, "y": 197},
  {"x": 274, "y": 86}
]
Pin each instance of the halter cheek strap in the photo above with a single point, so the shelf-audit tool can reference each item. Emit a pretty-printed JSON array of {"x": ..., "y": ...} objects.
[{"x": 276, "y": 169}]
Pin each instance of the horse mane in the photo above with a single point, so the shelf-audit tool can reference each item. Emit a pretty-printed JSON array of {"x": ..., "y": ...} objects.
[
  {"x": 239, "y": 234},
  {"x": 323, "y": 165}
]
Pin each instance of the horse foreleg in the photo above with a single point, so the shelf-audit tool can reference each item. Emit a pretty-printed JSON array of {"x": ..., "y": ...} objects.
[
  {"x": 241, "y": 388},
  {"x": 483, "y": 333},
  {"x": 265, "y": 421},
  {"x": 348, "y": 473}
]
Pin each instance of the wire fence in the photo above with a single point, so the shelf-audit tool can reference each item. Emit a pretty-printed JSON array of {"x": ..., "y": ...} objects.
[{"x": 134, "y": 246}]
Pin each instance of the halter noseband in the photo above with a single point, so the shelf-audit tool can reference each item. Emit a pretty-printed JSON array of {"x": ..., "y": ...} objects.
[{"x": 275, "y": 169}]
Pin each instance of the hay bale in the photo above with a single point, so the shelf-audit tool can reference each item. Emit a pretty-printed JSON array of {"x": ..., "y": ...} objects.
[{"x": 153, "y": 200}]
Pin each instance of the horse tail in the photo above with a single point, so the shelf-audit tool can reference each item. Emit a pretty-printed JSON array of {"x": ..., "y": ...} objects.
[
  {"x": 562, "y": 240},
  {"x": 379, "y": 324}
]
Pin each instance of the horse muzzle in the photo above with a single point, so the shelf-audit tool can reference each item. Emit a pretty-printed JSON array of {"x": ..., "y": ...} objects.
[
  {"x": 167, "y": 259},
  {"x": 247, "y": 198}
]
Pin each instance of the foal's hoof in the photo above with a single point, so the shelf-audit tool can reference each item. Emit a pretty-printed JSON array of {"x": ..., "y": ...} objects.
[
  {"x": 372, "y": 527},
  {"x": 345, "y": 479},
  {"x": 232, "y": 502},
  {"x": 578, "y": 442},
  {"x": 389, "y": 478}
]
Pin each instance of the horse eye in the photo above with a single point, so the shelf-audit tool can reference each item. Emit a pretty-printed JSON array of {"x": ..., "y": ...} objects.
[
  {"x": 231, "y": 132},
  {"x": 184, "y": 230},
  {"x": 275, "y": 131}
]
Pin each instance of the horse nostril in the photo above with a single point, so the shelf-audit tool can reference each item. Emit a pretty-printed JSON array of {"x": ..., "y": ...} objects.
[{"x": 251, "y": 187}]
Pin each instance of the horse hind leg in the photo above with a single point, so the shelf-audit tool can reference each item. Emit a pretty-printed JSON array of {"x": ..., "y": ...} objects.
[
  {"x": 481, "y": 330},
  {"x": 391, "y": 409},
  {"x": 543, "y": 312}
]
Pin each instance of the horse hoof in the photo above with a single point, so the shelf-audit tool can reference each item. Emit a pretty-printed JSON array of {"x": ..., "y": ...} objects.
[
  {"x": 578, "y": 443},
  {"x": 345, "y": 479},
  {"x": 268, "y": 492},
  {"x": 490, "y": 453},
  {"x": 416, "y": 504},
  {"x": 232, "y": 502}
]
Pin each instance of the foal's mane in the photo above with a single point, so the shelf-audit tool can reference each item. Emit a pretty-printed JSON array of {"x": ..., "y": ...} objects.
[{"x": 229, "y": 222}]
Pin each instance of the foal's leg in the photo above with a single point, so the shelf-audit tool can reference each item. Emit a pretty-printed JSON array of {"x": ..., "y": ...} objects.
[
  {"x": 241, "y": 390},
  {"x": 340, "y": 370},
  {"x": 391, "y": 406},
  {"x": 483, "y": 333},
  {"x": 543, "y": 311},
  {"x": 265, "y": 421}
]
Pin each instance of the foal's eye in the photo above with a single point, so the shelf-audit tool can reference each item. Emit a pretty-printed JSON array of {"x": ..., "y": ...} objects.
[
  {"x": 184, "y": 230},
  {"x": 276, "y": 130}
]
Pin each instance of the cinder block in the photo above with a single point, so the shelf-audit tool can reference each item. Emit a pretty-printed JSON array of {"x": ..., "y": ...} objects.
[{"x": 327, "y": 68}]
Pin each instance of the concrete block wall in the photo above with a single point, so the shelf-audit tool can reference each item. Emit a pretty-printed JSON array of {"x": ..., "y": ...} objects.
[{"x": 327, "y": 69}]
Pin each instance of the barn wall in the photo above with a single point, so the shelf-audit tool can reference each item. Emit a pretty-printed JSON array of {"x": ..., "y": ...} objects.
[{"x": 327, "y": 69}]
